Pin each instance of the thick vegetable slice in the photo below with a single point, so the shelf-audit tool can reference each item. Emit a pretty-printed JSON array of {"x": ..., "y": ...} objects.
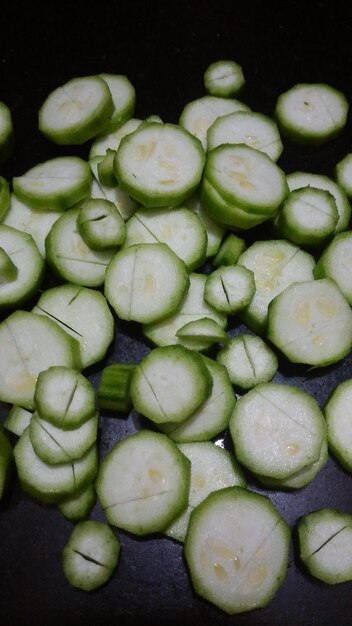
[
  {"x": 6, "y": 132},
  {"x": 311, "y": 323},
  {"x": 212, "y": 468},
  {"x": 343, "y": 174},
  {"x": 311, "y": 113},
  {"x": 100, "y": 224},
  {"x": 229, "y": 289},
  {"x": 159, "y": 164},
  {"x": 55, "y": 185},
  {"x": 30, "y": 344},
  {"x": 169, "y": 384},
  {"x": 124, "y": 99},
  {"x": 77, "y": 508},
  {"x": 277, "y": 430},
  {"x": 17, "y": 420},
  {"x": 51, "y": 483},
  {"x": 21, "y": 267},
  {"x": 143, "y": 483},
  {"x": 84, "y": 314},
  {"x": 325, "y": 539},
  {"x": 64, "y": 397},
  {"x": 114, "y": 387},
  {"x": 335, "y": 262},
  {"x": 76, "y": 111},
  {"x": 249, "y": 361},
  {"x": 145, "y": 282},
  {"x": 229, "y": 250},
  {"x": 224, "y": 78},
  {"x": 236, "y": 549},
  {"x": 91, "y": 555}
]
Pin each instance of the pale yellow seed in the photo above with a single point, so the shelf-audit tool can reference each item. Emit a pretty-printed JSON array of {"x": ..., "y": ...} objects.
[
  {"x": 256, "y": 576},
  {"x": 302, "y": 312},
  {"x": 293, "y": 449},
  {"x": 156, "y": 476},
  {"x": 326, "y": 307},
  {"x": 25, "y": 381},
  {"x": 220, "y": 572}
]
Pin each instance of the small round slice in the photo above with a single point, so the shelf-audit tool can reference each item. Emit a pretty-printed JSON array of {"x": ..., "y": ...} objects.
[
  {"x": 311, "y": 113},
  {"x": 76, "y": 111},
  {"x": 224, "y": 78},
  {"x": 325, "y": 541},
  {"x": 78, "y": 507},
  {"x": 124, "y": 99},
  {"x": 343, "y": 174},
  {"x": 64, "y": 397},
  {"x": 145, "y": 282},
  {"x": 229, "y": 288},
  {"x": 101, "y": 225},
  {"x": 143, "y": 483},
  {"x": 56, "y": 184},
  {"x": 91, "y": 554},
  {"x": 237, "y": 548},
  {"x": 6, "y": 132},
  {"x": 169, "y": 384},
  {"x": 159, "y": 165},
  {"x": 248, "y": 360}
]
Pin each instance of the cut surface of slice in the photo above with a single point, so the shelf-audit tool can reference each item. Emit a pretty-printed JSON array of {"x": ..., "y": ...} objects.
[
  {"x": 229, "y": 288},
  {"x": 249, "y": 361},
  {"x": 224, "y": 78},
  {"x": 338, "y": 415},
  {"x": 236, "y": 549},
  {"x": 335, "y": 262},
  {"x": 143, "y": 483},
  {"x": 145, "y": 282}
]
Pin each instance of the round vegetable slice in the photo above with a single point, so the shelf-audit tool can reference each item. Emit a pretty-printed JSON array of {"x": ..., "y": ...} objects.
[
  {"x": 236, "y": 548},
  {"x": 77, "y": 507},
  {"x": 91, "y": 555},
  {"x": 335, "y": 262},
  {"x": 100, "y": 224},
  {"x": 145, "y": 282},
  {"x": 159, "y": 164},
  {"x": 76, "y": 111},
  {"x": 229, "y": 288},
  {"x": 338, "y": 415},
  {"x": 169, "y": 384},
  {"x": 6, "y": 132},
  {"x": 143, "y": 483},
  {"x": 224, "y": 78},
  {"x": 249, "y": 361}
]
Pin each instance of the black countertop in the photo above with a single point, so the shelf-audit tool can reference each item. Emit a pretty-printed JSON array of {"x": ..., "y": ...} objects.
[{"x": 164, "y": 49}]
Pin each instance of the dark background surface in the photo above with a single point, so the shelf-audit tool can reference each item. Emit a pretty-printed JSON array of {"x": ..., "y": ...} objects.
[{"x": 164, "y": 49}]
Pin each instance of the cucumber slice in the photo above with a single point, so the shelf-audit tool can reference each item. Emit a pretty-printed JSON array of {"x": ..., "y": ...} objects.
[
  {"x": 69, "y": 256},
  {"x": 198, "y": 115},
  {"x": 111, "y": 141},
  {"x": 169, "y": 384},
  {"x": 56, "y": 184},
  {"x": 213, "y": 416},
  {"x": 114, "y": 387},
  {"x": 143, "y": 483},
  {"x": 249, "y": 361},
  {"x": 246, "y": 178},
  {"x": 311, "y": 113},
  {"x": 106, "y": 169},
  {"x": 78, "y": 507},
  {"x": 84, "y": 314},
  {"x": 125, "y": 205},
  {"x": 64, "y": 397},
  {"x": 21, "y": 267},
  {"x": 335, "y": 262},
  {"x": 180, "y": 228},
  {"x": 51, "y": 483},
  {"x": 124, "y": 99},
  {"x": 212, "y": 468},
  {"x": 91, "y": 555},
  {"x": 31, "y": 221},
  {"x": 308, "y": 217},
  {"x": 325, "y": 540},
  {"x": 275, "y": 264},
  {"x": 6, "y": 462},
  {"x": 338, "y": 415},
  {"x": 159, "y": 164},
  {"x": 297, "y": 180},
  {"x": 101, "y": 225},
  {"x": 17, "y": 420},
  {"x": 229, "y": 289},
  {"x": 277, "y": 430},
  {"x": 311, "y": 323},
  {"x": 76, "y": 111},
  {"x": 203, "y": 329},
  {"x": 30, "y": 344},
  {"x": 229, "y": 250},
  {"x": 237, "y": 548},
  {"x": 224, "y": 78},
  {"x": 145, "y": 282},
  {"x": 255, "y": 130},
  {"x": 193, "y": 308},
  {"x": 54, "y": 445},
  {"x": 6, "y": 132}
]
